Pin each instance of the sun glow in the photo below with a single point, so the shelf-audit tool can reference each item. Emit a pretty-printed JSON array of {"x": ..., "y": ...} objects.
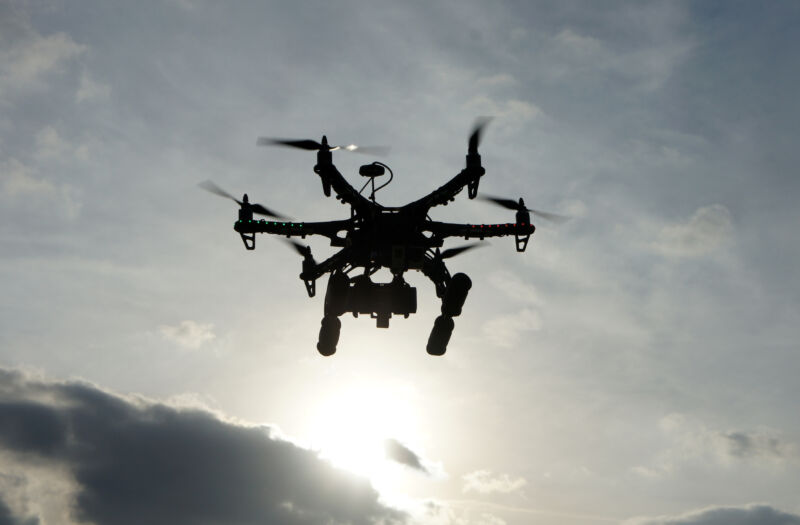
[{"x": 351, "y": 429}]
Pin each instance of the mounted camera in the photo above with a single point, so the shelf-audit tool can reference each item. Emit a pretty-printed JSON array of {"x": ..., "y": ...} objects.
[{"x": 371, "y": 170}]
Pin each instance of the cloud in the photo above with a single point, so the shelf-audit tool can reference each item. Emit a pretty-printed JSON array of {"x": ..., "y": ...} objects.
[
  {"x": 400, "y": 453},
  {"x": 755, "y": 444},
  {"x": 583, "y": 46},
  {"x": 133, "y": 461},
  {"x": 188, "y": 334},
  {"x": 439, "y": 513},
  {"x": 511, "y": 113},
  {"x": 8, "y": 518},
  {"x": 17, "y": 179},
  {"x": 704, "y": 232},
  {"x": 499, "y": 80},
  {"x": 506, "y": 330},
  {"x": 32, "y": 56},
  {"x": 484, "y": 482},
  {"x": 659, "y": 50},
  {"x": 22, "y": 186},
  {"x": 748, "y": 515},
  {"x": 91, "y": 90},
  {"x": 50, "y": 144},
  {"x": 693, "y": 444},
  {"x": 514, "y": 287}
]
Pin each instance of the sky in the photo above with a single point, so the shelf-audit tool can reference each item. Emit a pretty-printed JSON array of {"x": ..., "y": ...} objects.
[{"x": 636, "y": 365}]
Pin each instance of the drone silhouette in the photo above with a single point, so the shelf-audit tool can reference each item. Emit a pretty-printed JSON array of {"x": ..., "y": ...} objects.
[{"x": 375, "y": 236}]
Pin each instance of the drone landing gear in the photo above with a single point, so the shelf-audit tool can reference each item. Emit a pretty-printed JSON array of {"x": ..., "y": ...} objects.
[
  {"x": 522, "y": 242},
  {"x": 452, "y": 302},
  {"x": 311, "y": 287},
  {"x": 249, "y": 240}
]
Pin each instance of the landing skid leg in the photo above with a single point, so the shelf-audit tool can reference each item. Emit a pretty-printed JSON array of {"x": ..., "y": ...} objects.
[{"x": 249, "y": 240}]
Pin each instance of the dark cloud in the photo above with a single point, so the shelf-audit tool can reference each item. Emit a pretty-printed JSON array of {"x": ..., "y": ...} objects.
[
  {"x": 746, "y": 445},
  {"x": 31, "y": 427},
  {"x": 139, "y": 462},
  {"x": 740, "y": 443},
  {"x": 7, "y": 517},
  {"x": 398, "y": 452},
  {"x": 750, "y": 515}
]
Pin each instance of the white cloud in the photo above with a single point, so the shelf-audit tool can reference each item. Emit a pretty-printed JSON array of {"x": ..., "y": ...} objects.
[
  {"x": 17, "y": 179},
  {"x": 23, "y": 66},
  {"x": 188, "y": 334},
  {"x": 705, "y": 231},
  {"x": 574, "y": 208},
  {"x": 21, "y": 185},
  {"x": 583, "y": 46},
  {"x": 693, "y": 443},
  {"x": 748, "y": 515},
  {"x": 510, "y": 112},
  {"x": 499, "y": 80},
  {"x": 50, "y": 144},
  {"x": 506, "y": 330},
  {"x": 646, "y": 66},
  {"x": 91, "y": 90},
  {"x": 490, "y": 519},
  {"x": 33, "y": 489},
  {"x": 482, "y": 481},
  {"x": 438, "y": 513},
  {"x": 514, "y": 287}
]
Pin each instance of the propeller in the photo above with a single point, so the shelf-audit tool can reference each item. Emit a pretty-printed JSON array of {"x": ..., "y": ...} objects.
[
  {"x": 308, "y": 275},
  {"x": 313, "y": 145},
  {"x": 452, "y": 252},
  {"x": 303, "y": 249},
  {"x": 477, "y": 131},
  {"x": 255, "y": 208},
  {"x": 511, "y": 204}
]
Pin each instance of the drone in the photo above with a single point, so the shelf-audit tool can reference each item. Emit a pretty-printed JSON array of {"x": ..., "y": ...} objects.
[{"x": 375, "y": 236}]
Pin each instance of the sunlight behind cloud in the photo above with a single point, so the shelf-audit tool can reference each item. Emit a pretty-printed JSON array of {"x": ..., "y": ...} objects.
[{"x": 352, "y": 429}]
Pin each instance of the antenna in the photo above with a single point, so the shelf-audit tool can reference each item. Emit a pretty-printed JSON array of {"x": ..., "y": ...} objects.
[{"x": 376, "y": 169}]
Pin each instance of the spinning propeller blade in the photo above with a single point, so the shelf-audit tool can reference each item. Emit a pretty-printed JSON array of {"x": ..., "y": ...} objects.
[
  {"x": 303, "y": 249},
  {"x": 452, "y": 252},
  {"x": 508, "y": 204},
  {"x": 477, "y": 131},
  {"x": 300, "y": 144},
  {"x": 511, "y": 204},
  {"x": 313, "y": 145},
  {"x": 216, "y": 190},
  {"x": 261, "y": 210},
  {"x": 255, "y": 208},
  {"x": 380, "y": 151},
  {"x": 552, "y": 217}
]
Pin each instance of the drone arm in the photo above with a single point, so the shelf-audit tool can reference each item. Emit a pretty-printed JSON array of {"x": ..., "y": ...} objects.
[
  {"x": 335, "y": 261},
  {"x": 435, "y": 270},
  {"x": 469, "y": 176},
  {"x": 328, "y": 229},
  {"x": 477, "y": 231},
  {"x": 332, "y": 179}
]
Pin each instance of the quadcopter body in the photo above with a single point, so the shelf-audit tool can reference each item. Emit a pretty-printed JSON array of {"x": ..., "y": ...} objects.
[{"x": 375, "y": 236}]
